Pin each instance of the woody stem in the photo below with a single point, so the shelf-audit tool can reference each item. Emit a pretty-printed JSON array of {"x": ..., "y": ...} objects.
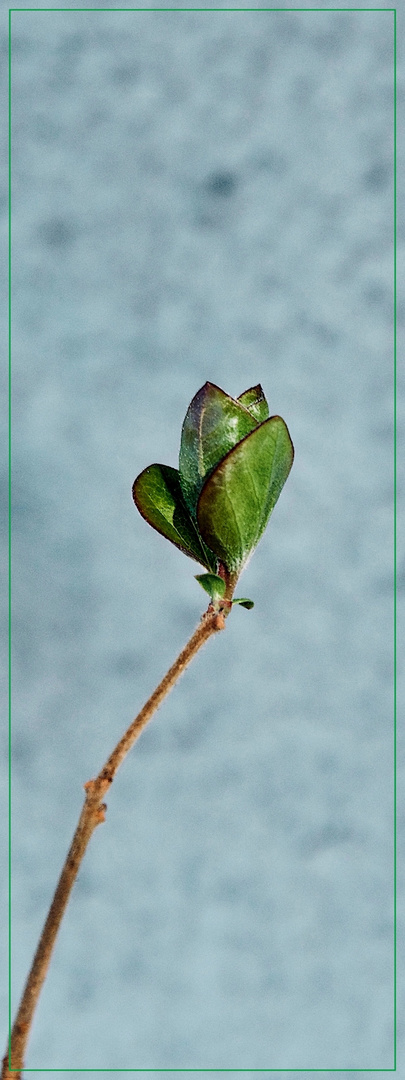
[{"x": 92, "y": 814}]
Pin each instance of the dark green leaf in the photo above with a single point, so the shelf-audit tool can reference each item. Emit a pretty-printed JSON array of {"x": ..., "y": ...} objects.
[
  {"x": 237, "y": 499},
  {"x": 213, "y": 585},
  {"x": 214, "y": 423},
  {"x": 244, "y": 602},
  {"x": 255, "y": 401},
  {"x": 158, "y": 497}
]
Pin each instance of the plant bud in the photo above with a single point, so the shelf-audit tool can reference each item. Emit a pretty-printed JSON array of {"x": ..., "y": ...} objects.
[{"x": 234, "y": 460}]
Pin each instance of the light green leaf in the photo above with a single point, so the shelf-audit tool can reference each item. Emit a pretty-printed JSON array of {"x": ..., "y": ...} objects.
[
  {"x": 158, "y": 497},
  {"x": 238, "y": 497},
  {"x": 214, "y": 423},
  {"x": 213, "y": 585},
  {"x": 255, "y": 401}
]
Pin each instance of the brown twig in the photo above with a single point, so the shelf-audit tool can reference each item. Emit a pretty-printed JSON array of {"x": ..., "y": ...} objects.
[{"x": 93, "y": 813}]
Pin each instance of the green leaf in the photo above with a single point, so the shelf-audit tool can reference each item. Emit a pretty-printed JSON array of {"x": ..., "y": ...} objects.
[
  {"x": 214, "y": 423},
  {"x": 213, "y": 585},
  {"x": 255, "y": 401},
  {"x": 238, "y": 497},
  {"x": 158, "y": 497},
  {"x": 244, "y": 602}
]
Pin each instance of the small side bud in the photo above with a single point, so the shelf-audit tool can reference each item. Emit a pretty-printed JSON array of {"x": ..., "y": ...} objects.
[{"x": 213, "y": 585}]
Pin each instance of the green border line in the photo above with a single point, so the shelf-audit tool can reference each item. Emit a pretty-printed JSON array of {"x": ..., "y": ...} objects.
[
  {"x": 9, "y": 523},
  {"x": 11, "y": 10},
  {"x": 395, "y": 539},
  {"x": 201, "y": 9}
]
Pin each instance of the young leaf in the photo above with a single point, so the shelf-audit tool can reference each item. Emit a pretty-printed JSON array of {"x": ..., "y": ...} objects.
[
  {"x": 244, "y": 602},
  {"x": 255, "y": 401},
  {"x": 157, "y": 494},
  {"x": 237, "y": 498},
  {"x": 213, "y": 585},
  {"x": 214, "y": 423}
]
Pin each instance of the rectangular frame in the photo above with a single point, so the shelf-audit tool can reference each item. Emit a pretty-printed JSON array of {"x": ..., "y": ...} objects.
[{"x": 392, "y": 10}]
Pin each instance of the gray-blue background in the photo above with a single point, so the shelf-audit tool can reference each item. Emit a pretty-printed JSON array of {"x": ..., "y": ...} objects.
[{"x": 204, "y": 195}]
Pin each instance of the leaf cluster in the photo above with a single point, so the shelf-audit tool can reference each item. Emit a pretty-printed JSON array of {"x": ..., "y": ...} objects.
[{"x": 234, "y": 460}]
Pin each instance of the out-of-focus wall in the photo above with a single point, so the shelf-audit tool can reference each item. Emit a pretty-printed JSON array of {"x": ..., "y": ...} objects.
[{"x": 204, "y": 195}]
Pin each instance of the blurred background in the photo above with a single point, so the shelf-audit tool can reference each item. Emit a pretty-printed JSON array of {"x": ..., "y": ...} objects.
[{"x": 204, "y": 195}]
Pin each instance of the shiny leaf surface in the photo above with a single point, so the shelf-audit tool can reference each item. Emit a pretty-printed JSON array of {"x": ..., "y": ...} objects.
[
  {"x": 255, "y": 401},
  {"x": 158, "y": 497},
  {"x": 238, "y": 497},
  {"x": 214, "y": 423}
]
